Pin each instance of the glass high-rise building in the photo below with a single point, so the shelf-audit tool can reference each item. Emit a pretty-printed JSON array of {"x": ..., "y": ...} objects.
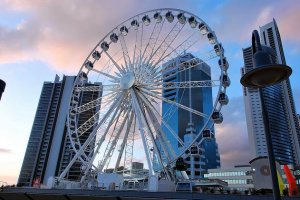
[
  {"x": 185, "y": 123},
  {"x": 48, "y": 150},
  {"x": 279, "y": 104}
]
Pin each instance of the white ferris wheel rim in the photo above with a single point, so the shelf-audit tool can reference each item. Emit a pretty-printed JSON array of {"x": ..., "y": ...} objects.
[{"x": 216, "y": 105}]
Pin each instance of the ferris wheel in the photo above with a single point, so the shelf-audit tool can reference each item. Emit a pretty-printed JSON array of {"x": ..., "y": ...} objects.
[{"x": 146, "y": 66}]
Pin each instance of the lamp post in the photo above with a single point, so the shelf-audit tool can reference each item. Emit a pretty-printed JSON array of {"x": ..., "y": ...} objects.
[
  {"x": 265, "y": 73},
  {"x": 2, "y": 87}
]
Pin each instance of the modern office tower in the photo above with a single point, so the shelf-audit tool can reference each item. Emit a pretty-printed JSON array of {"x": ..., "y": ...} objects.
[
  {"x": 279, "y": 104},
  {"x": 48, "y": 151},
  {"x": 184, "y": 123}
]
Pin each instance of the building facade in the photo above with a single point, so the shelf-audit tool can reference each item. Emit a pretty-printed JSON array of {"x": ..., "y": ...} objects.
[
  {"x": 48, "y": 150},
  {"x": 184, "y": 123},
  {"x": 238, "y": 178},
  {"x": 279, "y": 104}
]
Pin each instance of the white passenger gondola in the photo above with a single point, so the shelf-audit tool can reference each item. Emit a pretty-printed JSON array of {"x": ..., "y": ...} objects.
[
  {"x": 83, "y": 76},
  {"x": 96, "y": 55},
  {"x": 89, "y": 65},
  {"x": 223, "y": 98},
  {"x": 146, "y": 20},
  {"x": 170, "y": 17},
  {"x": 113, "y": 37},
  {"x": 72, "y": 124},
  {"x": 181, "y": 18},
  {"x": 135, "y": 24},
  {"x": 124, "y": 30},
  {"x": 194, "y": 150},
  {"x": 72, "y": 112},
  {"x": 75, "y": 99},
  {"x": 180, "y": 164},
  {"x": 193, "y": 22},
  {"x": 217, "y": 117},
  {"x": 225, "y": 81},
  {"x": 206, "y": 133},
  {"x": 157, "y": 17},
  {"x": 219, "y": 49},
  {"x": 211, "y": 38},
  {"x": 203, "y": 29},
  {"x": 105, "y": 46},
  {"x": 224, "y": 66}
]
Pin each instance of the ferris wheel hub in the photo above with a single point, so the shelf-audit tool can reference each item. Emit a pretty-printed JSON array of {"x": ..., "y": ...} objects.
[{"x": 127, "y": 81}]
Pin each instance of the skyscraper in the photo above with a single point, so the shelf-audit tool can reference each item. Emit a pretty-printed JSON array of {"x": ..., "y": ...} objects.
[
  {"x": 185, "y": 123},
  {"x": 279, "y": 104},
  {"x": 48, "y": 151}
]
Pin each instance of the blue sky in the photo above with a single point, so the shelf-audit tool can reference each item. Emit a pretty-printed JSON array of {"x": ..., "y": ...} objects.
[{"x": 39, "y": 39}]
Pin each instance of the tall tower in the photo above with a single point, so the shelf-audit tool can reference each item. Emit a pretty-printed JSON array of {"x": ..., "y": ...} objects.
[
  {"x": 271, "y": 37},
  {"x": 48, "y": 149},
  {"x": 187, "y": 124},
  {"x": 279, "y": 104}
]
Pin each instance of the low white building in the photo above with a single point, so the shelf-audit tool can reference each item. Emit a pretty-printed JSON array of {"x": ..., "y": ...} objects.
[{"x": 238, "y": 178}]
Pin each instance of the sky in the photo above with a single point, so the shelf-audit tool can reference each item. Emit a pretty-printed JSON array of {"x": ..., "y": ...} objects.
[{"x": 39, "y": 39}]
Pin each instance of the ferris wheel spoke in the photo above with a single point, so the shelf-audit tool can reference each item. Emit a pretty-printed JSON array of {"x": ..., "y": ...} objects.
[
  {"x": 114, "y": 62},
  {"x": 113, "y": 119},
  {"x": 136, "y": 50},
  {"x": 112, "y": 142},
  {"x": 173, "y": 103},
  {"x": 102, "y": 102},
  {"x": 86, "y": 143},
  {"x": 95, "y": 118},
  {"x": 129, "y": 124},
  {"x": 142, "y": 128},
  {"x": 109, "y": 65},
  {"x": 161, "y": 137},
  {"x": 125, "y": 51},
  {"x": 152, "y": 111},
  {"x": 155, "y": 111},
  {"x": 180, "y": 49},
  {"x": 117, "y": 109},
  {"x": 157, "y": 152},
  {"x": 106, "y": 75},
  {"x": 166, "y": 43},
  {"x": 148, "y": 51},
  {"x": 150, "y": 108}
]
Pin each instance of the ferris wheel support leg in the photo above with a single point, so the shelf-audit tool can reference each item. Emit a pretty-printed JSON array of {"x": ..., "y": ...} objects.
[{"x": 138, "y": 114}]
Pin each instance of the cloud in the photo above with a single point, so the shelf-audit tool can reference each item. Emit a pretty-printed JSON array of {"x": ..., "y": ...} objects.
[
  {"x": 232, "y": 135},
  {"x": 62, "y": 33},
  {"x": 6, "y": 151},
  {"x": 237, "y": 19}
]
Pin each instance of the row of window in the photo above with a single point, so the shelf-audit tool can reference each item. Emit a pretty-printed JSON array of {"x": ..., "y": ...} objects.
[
  {"x": 238, "y": 181},
  {"x": 238, "y": 173}
]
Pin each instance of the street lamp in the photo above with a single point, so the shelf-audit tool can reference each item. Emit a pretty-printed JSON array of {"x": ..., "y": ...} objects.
[
  {"x": 265, "y": 73},
  {"x": 2, "y": 87}
]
